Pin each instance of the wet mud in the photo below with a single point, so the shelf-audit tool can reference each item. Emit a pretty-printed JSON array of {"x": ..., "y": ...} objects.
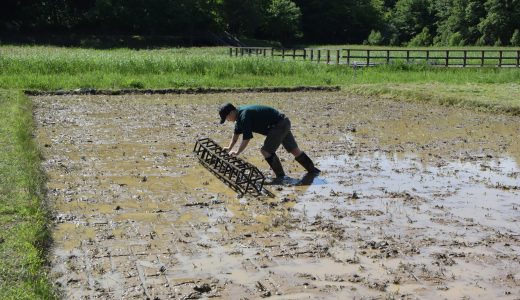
[{"x": 414, "y": 201}]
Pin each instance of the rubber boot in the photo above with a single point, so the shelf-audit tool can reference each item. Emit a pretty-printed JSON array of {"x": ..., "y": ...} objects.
[
  {"x": 276, "y": 165},
  {"x": 307, "y": 163}
]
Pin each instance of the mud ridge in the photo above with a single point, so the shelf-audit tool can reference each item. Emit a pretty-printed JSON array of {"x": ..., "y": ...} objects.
[{"x": 90, "y": 91}]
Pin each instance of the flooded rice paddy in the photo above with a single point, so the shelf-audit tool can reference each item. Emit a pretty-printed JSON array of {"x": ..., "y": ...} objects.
[{"x": 414, "y": 201}]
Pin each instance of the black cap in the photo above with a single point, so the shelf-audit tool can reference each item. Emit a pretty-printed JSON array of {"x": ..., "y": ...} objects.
[{"x": 224, "y": 110}]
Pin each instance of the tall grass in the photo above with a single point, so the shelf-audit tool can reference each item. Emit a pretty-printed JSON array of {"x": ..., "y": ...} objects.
[
  {"x": 51, "y": 68},
  {"x": 23, "y": 218}
]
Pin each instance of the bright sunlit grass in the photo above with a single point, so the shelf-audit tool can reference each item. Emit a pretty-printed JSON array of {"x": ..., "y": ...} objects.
[{"x": 23, "y": 218}]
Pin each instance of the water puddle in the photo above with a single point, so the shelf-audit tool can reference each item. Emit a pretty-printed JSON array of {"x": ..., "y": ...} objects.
[{"x": 487, "y": 192}]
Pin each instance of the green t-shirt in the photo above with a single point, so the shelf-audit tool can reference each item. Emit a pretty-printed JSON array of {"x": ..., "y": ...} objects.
[{"x": 256, "y": 118}]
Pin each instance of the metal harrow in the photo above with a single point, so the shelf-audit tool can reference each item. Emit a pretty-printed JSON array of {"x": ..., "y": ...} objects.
[{"x": 240, "y": 175}]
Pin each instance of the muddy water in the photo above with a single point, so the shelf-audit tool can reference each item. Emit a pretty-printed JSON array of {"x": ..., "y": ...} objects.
[{"x": 414, "y": 201}]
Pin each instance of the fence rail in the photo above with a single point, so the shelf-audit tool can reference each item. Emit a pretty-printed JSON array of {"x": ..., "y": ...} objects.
[{"x": 372, "y": 57}]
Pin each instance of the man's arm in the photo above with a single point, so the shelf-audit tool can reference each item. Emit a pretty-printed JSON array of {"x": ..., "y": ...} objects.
[
  {"x": 234, "y": 140},
  {"x": 242, "y": 147}
]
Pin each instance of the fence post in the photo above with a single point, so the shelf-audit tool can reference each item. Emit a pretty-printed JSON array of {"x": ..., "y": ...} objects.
[
  {"x": 518, "y": 58},
  {"x": 328, "y": 56},
  {"x": 319, "y": 55},
  {"x": 368, "y": 58},
  {"x": 447, "y": 58},
  {"x": 465, "y": 58},
  {"x": 338, "y": 53},
  {"x": 427, "y": 56},
  {"x": 482, "y": 59},
  {"x": 294, "y": 54},
  {"x": 265, "y": 52},
  {"x": 407, "y": 56},
  {"x": 500, "y": 59},
  {"x": 304, "y": 54},
  {"x": 387, "y": 57},
  {"x": 312, "y": 54},
  {"x": 283, "y": 53},
  {"x": 348, "y": 57},
  {"x": 231, "y": 52}
]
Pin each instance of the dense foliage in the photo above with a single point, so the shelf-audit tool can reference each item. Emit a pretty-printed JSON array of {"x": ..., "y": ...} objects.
[{"x": 390, "y": 22}]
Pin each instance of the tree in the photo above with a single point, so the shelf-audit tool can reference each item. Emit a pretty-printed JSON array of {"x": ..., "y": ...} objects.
[
  {"x": 501, "y": 20},
  {"x": 283, "y": 20},
  {"x": 422, "y": 39},
  {"x": 409, "y": 17},
  {"x": 34, "y": 15},
  {"x": 460, "y": 16},
  {"x": 158, "y": 17},
  {"x": 244, "y": 17},
  {"x": 338, "y": 21}
]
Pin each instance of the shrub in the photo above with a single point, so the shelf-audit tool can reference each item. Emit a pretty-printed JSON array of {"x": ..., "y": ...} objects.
[
  {"x": 456, "y": 39},
  {"x": 422, "y": 39},
  {"x": 375, "y": 38},
  {"x": 515, "y": 39}
]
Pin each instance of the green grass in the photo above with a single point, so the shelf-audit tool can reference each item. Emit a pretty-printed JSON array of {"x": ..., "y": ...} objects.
[
  {"x": 51, "y": 68},
  {"x": 23, "y": 217},
  {"x": 58, "y": 68},
  {"x": 54, "y": 68},
  {"x": 498, "y": 98}
]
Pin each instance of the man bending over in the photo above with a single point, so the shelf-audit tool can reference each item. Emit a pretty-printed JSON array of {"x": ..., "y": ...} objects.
[{"x": 267, "y": 121}]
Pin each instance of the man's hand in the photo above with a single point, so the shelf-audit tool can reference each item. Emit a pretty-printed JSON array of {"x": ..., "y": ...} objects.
[{"x": 241, "y": 149}]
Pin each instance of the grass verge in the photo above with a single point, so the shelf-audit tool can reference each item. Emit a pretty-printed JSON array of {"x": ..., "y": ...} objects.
[
  {"x": 498, "y": 98},
  {"x": 23, "y": 218}
]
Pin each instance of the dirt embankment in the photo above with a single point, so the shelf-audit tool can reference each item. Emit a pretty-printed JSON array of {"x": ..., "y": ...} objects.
[{"x": 414, "y": 201}]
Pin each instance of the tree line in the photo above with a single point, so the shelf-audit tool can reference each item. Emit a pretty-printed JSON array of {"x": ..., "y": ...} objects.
[{"x": 375, "y": 22}]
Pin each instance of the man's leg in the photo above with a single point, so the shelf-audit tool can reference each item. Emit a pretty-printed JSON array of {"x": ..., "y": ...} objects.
[
  {"x": 276, "y": 165},
  {"x": 271, "y": 144},
  {"x": 289, "y": 143},
  {"x": 307, "y": 163}
]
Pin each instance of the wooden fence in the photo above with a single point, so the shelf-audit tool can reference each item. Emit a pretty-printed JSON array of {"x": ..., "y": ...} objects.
[{"x": 372, "y": 57}]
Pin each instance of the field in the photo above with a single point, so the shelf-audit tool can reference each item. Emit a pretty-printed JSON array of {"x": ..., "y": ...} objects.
[
  {"x": 461, "y": 134},
  {"x": 414, "y": 201}
]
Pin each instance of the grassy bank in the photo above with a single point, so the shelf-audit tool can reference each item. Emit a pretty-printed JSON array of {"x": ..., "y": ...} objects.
[
  {"x": 497, "y": 98},
  {"x": 23, "y": 218}
]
